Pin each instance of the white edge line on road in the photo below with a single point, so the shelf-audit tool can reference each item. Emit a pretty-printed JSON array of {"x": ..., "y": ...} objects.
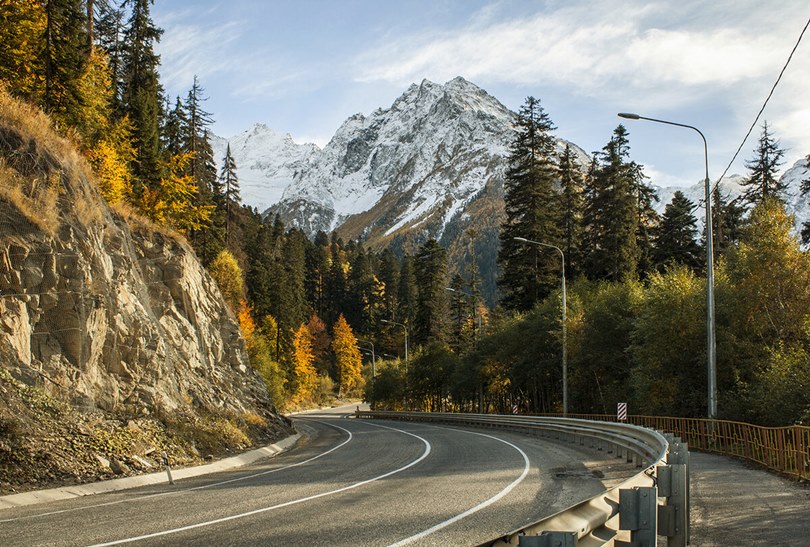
[
  {"x": 482, "y": 505},
  {"x": 183, "y": 490},
  {"x": 285, "y": 504}
]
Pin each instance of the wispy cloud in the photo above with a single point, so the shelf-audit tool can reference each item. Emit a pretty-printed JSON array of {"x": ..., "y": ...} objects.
[
  {"x": 187, "y": 50},
  {"x": 587, "y": 49}
]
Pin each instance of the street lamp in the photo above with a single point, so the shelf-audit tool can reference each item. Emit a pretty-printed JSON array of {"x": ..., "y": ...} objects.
[
  {"x": 564, "y": 307},
  {"x": 406, "y": 339},
  {"x": 710, "y": 339},
  {"x": 373, "y": 360}
]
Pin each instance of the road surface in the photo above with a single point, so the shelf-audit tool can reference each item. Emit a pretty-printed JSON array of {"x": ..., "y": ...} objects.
[{"x": 348, "y": 482}]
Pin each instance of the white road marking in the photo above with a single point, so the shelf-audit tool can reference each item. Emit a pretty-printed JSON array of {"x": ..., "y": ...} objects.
[
  {"x": 280, "y": 505},
  {"x": 183, "y": 490},
  {"x": 482, "y": 505}
]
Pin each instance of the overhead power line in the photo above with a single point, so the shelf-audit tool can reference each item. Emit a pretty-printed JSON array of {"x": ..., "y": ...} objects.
[{"x": 761, "y": 110}]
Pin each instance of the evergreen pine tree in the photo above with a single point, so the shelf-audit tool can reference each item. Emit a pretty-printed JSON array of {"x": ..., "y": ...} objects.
[
  {"x": 141, "y": 90},
  {"x": 762, "y": 180},
  {"x": 614, "y": 204},
  {"x": 174, "y": 128},
  {"x": 532, "y": 211},
  {"x": 675, "y": 237},
  {"x": 407, "y": 292},
  {"x": 431, "y": 280},
  {"x": 230, "y": 187},
  {"x": 109, "y": 30},
  {"x": 728, "y": 223},
  {"x": 459, "y": 315},
  {"x": 64, "y": 58},
  {"x": 572, "y": 186},
  {"x": 390, "y": 276},
  {"x": 317, "y": 270},
  {"x": 335, "y": 281}
]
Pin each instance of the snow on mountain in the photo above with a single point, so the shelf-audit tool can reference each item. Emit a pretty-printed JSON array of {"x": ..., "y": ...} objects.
[
  {"x": 266, "y": 162},
  {"x": 437, "y": 144},
  {"x": 731, "y": 188}
]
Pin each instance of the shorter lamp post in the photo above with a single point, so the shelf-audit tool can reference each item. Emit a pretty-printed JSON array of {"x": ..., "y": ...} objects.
[
  {"x": 564, "y": 317},
  {"x": 373, "y": 360},
  {"x": 406, "y": 339}
]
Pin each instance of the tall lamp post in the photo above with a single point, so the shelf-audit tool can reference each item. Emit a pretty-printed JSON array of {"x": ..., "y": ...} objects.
[
  {"x": 710, "y": 339},
  {"x": 406, "y": 339},
  {"x": 564, "y": 316}
]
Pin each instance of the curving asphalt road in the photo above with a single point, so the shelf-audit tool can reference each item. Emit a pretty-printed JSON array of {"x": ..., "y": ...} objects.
[{"x": 349, "y": 482}]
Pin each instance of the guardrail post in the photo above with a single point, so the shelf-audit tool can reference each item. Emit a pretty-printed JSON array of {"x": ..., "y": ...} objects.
[
  {"x": 550, "y": 539},
  {"x": 638, "y": 513},
  {"x": 673, "y": 518},
  {"x": 679, "y": 455}
]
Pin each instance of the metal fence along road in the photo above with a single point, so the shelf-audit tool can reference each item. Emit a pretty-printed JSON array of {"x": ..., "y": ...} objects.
[{"x": 782, "y": 449}]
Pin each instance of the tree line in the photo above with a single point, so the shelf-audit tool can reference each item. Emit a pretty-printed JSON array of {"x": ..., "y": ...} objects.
[{"x": 315, "y": 312}]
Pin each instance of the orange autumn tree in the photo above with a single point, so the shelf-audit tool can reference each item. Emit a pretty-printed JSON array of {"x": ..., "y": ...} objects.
[
  {"x": 304, "y": 378},
  {"x": 348, "y": 362}
]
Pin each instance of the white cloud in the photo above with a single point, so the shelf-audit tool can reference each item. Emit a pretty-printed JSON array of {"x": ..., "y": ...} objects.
[
  {"x": 187, "y": 50},
  {"x": 648, "y": 55}
]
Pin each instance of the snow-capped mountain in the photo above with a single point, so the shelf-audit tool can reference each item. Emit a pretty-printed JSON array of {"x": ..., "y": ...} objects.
[
  {"x": 266, "y": 163},
  {"x": 416, "y": 163}
]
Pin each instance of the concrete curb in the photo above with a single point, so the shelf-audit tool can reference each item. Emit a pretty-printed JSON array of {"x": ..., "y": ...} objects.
[{"x": 89, "y": 489}]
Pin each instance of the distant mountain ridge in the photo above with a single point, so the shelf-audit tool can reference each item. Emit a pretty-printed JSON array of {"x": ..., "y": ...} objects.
[{"x": 431, "y": 165}]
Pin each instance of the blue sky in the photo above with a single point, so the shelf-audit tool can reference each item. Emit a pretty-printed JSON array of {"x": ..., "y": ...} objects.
[{"x": 304, "y": 66}]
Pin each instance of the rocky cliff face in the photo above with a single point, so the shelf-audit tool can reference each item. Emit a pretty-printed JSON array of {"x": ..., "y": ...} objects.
[{"x": 107, "y": 315}]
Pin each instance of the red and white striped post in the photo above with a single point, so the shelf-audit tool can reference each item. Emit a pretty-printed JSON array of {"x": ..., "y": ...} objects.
[{"x": 621, "y": 412}]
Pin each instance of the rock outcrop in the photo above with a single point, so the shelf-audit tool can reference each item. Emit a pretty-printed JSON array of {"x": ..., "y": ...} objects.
[{"x": 103, "y": 312}]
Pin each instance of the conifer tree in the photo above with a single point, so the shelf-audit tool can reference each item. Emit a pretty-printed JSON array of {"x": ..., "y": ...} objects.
[
  {"x": 762, "y": 181},
  {"x": 389, "y": 276},
  {"x": 615, "y": 202},
  {"x": 532, "y": 210},
  {"x": 141, "y": 90},
  {"x": 174, "y": 128},
  {"x": 431, "y": 280},
  {"x": 572, "y": 186},
  {"x": 109, "y": 30},
  {"x": 230, "y": 186},
  {"x": 728, "y": 222},
  {"x": 336, "y": 281},
  {"x": 675, "y": 242},
  {"x": 64, "y": 58},
  {"x": 317, "y": 260},
  {"x": 407, "y": 293},
  {"x": 348, "y": 362},
  {"x": 360, "y": 301}
]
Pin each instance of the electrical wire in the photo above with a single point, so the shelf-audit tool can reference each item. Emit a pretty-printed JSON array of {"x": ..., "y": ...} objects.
[{"x": 761, "y": 110}]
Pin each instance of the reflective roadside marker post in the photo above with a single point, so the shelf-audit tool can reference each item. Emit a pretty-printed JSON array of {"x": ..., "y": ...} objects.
[{"x": 621, "y": 412}]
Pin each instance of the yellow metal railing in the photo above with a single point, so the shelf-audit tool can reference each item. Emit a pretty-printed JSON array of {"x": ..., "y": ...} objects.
[{"x": 783, "y": 449}]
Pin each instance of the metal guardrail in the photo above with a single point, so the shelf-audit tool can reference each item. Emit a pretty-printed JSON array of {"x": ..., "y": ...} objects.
[
  {"x": 782, "y": 449},
  {"x": 653, "y": 502}
]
